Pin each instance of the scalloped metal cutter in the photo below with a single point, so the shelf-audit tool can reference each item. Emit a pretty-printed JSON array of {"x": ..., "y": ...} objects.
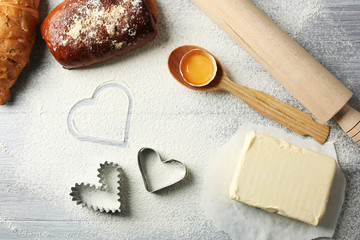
[{"x": 101, "y": 198}]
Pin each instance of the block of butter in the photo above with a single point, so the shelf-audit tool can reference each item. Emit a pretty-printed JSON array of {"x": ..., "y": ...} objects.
[{"x": 279, "y": 177}]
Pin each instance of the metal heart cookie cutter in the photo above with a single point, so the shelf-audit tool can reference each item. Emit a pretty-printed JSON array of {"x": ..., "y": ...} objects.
[
  {"x": 158, "y": 174},
  {"x": 104, "y": 198}
]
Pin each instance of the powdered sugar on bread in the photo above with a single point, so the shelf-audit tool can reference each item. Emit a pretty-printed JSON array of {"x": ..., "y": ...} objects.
[{"x": 82, "y": 32}]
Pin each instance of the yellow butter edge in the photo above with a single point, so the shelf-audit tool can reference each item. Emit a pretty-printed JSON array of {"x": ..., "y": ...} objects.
[
  {"x": 249, "y": 140},
  {"x": 323, "y": 212}
]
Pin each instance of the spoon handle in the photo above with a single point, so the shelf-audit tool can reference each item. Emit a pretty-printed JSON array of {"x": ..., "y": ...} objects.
[{"x": 277, "y": 110}]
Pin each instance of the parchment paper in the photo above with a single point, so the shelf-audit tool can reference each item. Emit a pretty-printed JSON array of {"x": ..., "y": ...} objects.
[{"x": 244, "y": 222}]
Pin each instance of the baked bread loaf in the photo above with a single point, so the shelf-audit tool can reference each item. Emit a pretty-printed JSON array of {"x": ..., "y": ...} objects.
[
  {"x": 83, "y": 32},
  {"x": 18, "y": 22}
]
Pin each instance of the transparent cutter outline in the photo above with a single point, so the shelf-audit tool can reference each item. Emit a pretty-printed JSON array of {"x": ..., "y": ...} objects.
[{"x": 91, "y": 101}]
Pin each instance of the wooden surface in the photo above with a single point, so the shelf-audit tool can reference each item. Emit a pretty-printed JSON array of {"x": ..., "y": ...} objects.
[{"x": 25, "y": 216}]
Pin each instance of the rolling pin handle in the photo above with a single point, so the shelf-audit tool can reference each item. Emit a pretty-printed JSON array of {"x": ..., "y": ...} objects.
[{"x": 349, "y": 120}]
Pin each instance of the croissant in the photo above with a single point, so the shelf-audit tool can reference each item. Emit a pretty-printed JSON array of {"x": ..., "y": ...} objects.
[{"x": 18, "y": 22}]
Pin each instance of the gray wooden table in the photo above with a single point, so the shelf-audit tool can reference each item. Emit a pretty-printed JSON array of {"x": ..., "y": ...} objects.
[{"x": 23, "y": 215}]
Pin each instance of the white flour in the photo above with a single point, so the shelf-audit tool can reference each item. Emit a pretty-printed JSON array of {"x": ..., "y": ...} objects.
[
  {"x": 6, "y": 150},
  {"x": 292, "y": 17},
  {"x": 158, "y": 174},
  {"x": 180, "y": 123},
  {"x": 102, "y": 119}
]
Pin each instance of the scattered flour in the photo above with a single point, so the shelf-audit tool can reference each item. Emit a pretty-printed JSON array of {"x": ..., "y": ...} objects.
[
  {"x": 20, "y": 231},
  {"x": 294, "y": 15},
  {"x": 158, "y": 174},
  {"x": 100, "y": 199},
  {"x": 103, "y": 119},
  {"x": 92, "y": 17},
  {"x": 6, "y": 150},
  {"x": 181, "y": 124}
]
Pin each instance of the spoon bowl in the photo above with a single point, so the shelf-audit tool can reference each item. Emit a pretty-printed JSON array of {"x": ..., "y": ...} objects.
[
  {"x": 263, "y": 103},
  {"x": 174, "y": 67}
]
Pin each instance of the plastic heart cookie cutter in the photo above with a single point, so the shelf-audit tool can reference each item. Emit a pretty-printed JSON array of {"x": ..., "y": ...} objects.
[
  {"x": 158, "y": 174},
  {"x": 90, "y": 130},
  {"x": 104, "y": 198}
]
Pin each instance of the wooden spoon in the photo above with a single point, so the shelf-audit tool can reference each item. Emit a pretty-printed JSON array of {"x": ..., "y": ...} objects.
[{"x": 263, "y": 103}]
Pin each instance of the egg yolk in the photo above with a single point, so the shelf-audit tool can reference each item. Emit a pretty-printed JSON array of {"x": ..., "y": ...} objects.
[{"x": 197, "y": 68}]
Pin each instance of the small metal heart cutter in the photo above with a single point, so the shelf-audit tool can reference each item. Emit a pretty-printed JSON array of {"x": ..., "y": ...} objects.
[{"x": 159, "y": 176}]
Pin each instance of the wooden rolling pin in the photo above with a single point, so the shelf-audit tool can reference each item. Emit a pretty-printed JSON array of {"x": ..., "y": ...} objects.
[{"x": 301, "y": 74}]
